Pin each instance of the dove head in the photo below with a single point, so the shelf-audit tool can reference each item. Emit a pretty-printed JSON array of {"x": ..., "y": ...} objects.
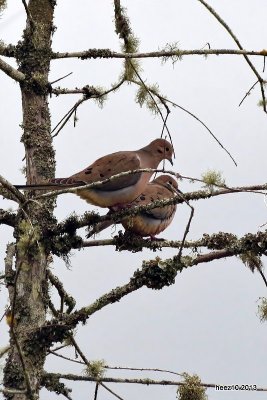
[
  {"x": 167, "y": 181},
  {"x": 161, "y": 150}
]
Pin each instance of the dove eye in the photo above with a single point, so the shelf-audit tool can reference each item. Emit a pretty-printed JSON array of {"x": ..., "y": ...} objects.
[
  {"x": 167, "y": 149},
  {"x": 160, "y": 151}
]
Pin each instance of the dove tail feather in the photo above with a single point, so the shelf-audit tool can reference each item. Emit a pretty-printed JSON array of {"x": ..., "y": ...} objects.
[{"x": 44, "y": 186}]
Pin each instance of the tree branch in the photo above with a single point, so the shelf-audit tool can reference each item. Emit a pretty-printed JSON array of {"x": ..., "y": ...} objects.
[
  {"x": 111, "y": 391},
  {"x": 12, "y": 391},
  {"x": 154, "y": 274},
  {"x": 7, "y": 217},
  {"x": 83, "y": 378},
  {"x": 89, "y": 93},
  {"x": 11, "y": 72},
  {"x": 7, "y": 50},
  {"x": 192, "y": 196},
  {"x": 107, "y": 53},
  {"x": 224, "y": 24},
  {"x": 20, "y": 198},
  {"x": 65, "y": 297}
]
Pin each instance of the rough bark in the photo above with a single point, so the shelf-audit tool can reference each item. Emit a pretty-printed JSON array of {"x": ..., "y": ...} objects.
[{"x": 28, "y": 288}]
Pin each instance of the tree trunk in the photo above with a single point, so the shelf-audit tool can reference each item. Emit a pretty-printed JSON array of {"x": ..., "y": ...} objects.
[{"x": 28, "y": 288}]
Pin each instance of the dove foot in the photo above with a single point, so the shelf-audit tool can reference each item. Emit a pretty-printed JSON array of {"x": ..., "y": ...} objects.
[
  {"x": 152, "y": 237},
  {"x": 119, "y": 207}
]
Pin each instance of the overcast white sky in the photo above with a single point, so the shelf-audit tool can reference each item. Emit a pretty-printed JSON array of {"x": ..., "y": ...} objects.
[{"x": 206, "y": 323}]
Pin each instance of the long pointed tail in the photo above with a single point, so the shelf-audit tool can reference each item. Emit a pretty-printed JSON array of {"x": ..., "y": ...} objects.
[{"x": 46, "y": 186}]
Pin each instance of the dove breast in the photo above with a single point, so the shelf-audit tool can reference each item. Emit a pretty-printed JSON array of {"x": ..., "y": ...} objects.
[{"x": 152, "y": 222}]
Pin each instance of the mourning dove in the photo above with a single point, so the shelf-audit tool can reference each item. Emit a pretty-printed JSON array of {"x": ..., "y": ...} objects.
[
  {"x": 119, "y": 191},
  {"x": 150, "y": 222},
  {"x": 156, "y": 220}
]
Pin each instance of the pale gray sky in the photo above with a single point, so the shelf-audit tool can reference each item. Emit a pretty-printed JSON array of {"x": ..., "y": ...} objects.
[{"x": 206, "y": 323}]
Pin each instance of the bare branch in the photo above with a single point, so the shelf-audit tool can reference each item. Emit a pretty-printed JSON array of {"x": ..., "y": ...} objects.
[
  {"x": 89, "y": 93},
  {"x": 107, "y": 53},
  {"x": 73, "y": 377},
  {"x": 202, "y": 123},
  {"x": 188, "y": 223},
  {"x": 111, "y": 391},
  {"x": 144, "y": 369},
  {"x": 65, "y": 358},
  {"x": 66, "y": 298},
  {"x": 248, "y": 93},
  {"x": 29, "y": 16},
  {"x": 63, "y": 77},
  {"x": 224, "y": 24},
  {"x": 96, "y": 390},
  {"x": 11, "y": 72}
]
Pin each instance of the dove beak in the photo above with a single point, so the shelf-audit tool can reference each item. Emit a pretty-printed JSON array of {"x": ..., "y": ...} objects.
[{"x": 170, "y": 159}]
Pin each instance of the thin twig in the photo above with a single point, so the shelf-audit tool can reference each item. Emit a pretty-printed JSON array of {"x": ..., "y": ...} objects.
[
  {"x": 65, "y": 297},
  {"x": 248, "y": 93},
  {"x": 28, "y": 14},
  {"x": 224, "y": 24},
  {"x": 66, "y": 117},
  {"x": 145, "y": 369},
  {"x": 262, "y": 275},
  {"x": 180, "y": 194},
  {"x": 202, "y": 123},
  {"x": 78, "y": 349},
  {"x": 86, "y": 97},
  {"x": 96, "y": 390},
  {"x": 134, "y": 381},
  {"x": 154, "y": 101},
  {"x": 111, "y": 391},
  {"x": 66, "y": 358},
  {"x": 60, "y": 347},
  {"x": 59, "y": 79}
]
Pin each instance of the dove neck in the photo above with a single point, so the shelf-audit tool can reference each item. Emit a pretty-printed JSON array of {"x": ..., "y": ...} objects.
[{"x": 151, "y": 160}]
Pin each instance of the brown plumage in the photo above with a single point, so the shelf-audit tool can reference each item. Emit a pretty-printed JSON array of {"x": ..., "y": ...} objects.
[
  {"x": 121, "y": 190},
  {"x": 156, "y": 220}
]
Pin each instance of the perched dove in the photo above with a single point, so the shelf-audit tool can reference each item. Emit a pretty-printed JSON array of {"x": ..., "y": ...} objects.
[
  {"x": 156, "y": 220},
  {"x": 119, "y": 191},
  {"x": 150, "y": 222}
]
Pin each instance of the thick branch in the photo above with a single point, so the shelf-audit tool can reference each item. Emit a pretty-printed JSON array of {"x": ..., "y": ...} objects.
[
  {"x": 7, "y": 217},
  {"x": 75, "y": 222},
  {"x": 14, "y": 192},
  {"x": 7, "y": 50},
  {"x": 12, "y": 72},
  {"x": 154, "y": 274}
]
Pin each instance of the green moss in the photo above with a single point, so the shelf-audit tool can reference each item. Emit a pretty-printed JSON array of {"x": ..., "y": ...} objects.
[
  {"x": 95, "y": 369},
  {"x": 212, "y": 178},
  {"x": 262, "y": 309},
  {"x": 251, "y": 260},
  {"x": 191, "y": 389}
]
